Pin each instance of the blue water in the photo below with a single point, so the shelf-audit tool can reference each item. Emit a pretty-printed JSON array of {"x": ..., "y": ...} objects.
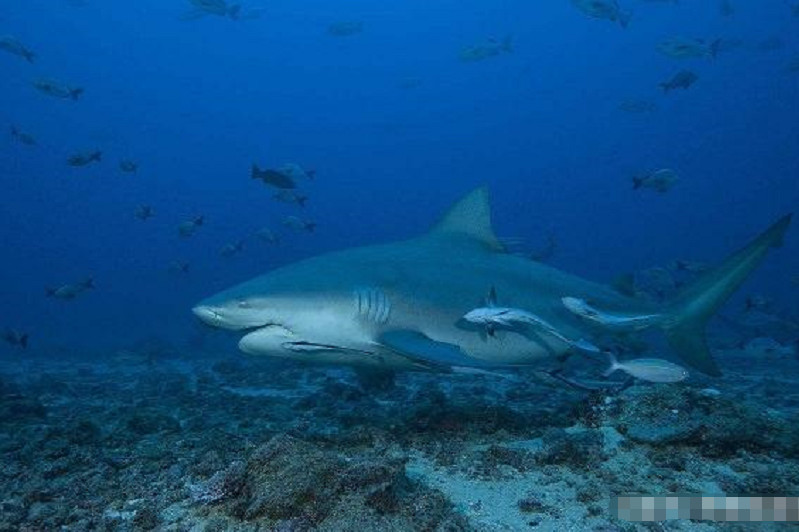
[{"x": 196, "y": 102}]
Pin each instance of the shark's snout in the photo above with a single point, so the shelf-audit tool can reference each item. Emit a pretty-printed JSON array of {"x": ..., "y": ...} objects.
[{"x": 207, "y": 315}]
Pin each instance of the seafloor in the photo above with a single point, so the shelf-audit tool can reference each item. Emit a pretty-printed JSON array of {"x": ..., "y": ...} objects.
[{"x": 155, "y": 438}]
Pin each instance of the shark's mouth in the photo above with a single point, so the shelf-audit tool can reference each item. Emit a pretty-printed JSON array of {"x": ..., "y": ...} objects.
[
  {"x": 310, "y": 347},
  {"x": 284, "y": 337}
]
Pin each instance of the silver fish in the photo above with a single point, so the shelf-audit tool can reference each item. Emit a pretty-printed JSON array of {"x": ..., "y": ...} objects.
[
  {"x": 290, "y": 196},
  {"x": 487, "y": 49},
  {"x": 604, "y": 9},
  {"x": 68, "y": 292},
  {"x": 57, "y": 89},
  {"x": 13, "y": 46},
  {"x": 189, "y": 227},
  {"x": 299, "y": 224},
  {"x": 492, "y": 317},
  {"x": 268, "y": 236},
  {"x": 660, "y": 180},
  {"x": 648, "y": 369},
  {"x": 684, "y": 47}
]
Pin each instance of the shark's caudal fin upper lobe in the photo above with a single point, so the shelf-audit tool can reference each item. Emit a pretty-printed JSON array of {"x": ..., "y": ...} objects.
[{"x": 690, "y": 311}]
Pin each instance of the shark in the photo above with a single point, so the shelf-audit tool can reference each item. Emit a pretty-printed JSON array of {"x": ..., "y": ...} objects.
[{"x": 400, "y": 306}]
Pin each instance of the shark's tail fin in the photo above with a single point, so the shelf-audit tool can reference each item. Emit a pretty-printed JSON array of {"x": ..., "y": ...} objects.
[{"x": 689, "y": 312}]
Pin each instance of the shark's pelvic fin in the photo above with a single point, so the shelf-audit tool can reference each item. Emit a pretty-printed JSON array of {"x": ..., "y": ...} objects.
[
  {"x": 471, "y": 216},
  {"x": 690, "y": 311},
  {"x": 417, "y": 346}
]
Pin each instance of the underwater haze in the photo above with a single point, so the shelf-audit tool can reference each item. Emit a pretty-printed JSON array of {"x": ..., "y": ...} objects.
[{"x": 158, "y": 152}]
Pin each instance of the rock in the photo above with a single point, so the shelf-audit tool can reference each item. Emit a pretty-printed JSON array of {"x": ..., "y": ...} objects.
[
  {"x": 17, "y": 408},
  {"x": 719, "y": 426},
  {"x": 152, "y": 421},
  {"x": 577, "y": 449}
]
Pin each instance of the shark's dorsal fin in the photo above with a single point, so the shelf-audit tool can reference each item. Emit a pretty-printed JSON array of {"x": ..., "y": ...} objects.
[{"x": 471, "y": 216}]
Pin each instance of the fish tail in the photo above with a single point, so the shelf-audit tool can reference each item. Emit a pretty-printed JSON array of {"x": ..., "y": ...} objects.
[
  {"x": 624, "y": 18},
  {"x": 199, "y": 220},
  {"x": 507, "y": 44},
  {"x": 50, "y": 292},
  {"x": 614, "y": 365},
  {"x": 97, "y": 156},
  {"x": 255, "y": 172},
  {"x": 715, "y": 46},
  {"x": 234, "y": 11},
  {"x": 638, "y": 182},
  {"x": 690, "y": 310},
  {"x": 665, "y": 86},
  {"x": 23, "y": 341},
  {"x": 88, "y": 284},
  {"x": 75, "y": 94}
]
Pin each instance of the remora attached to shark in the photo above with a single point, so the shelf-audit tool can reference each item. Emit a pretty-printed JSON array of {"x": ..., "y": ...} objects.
[{"x": 400, "y": 305}]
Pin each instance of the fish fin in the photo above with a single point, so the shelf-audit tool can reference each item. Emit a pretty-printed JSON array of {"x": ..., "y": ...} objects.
[
  {"x": 491, "y": 330},
  {"x": 715, "y": 46},
  {"x": 624, "y": 18},
  {"x": 614, "y": 365},
  {"x": 417, "y": 346},
  {"x": 690, "y": 310},
  {"x": 471, "y": 216},
  {"x": 491, "y": 300}
]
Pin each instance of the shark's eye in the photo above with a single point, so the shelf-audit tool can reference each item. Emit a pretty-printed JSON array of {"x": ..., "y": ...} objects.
[{"x": 243, "y": 303}]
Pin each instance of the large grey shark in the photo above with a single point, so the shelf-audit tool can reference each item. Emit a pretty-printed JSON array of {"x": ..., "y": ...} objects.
[{"x": 400, "y": 306}]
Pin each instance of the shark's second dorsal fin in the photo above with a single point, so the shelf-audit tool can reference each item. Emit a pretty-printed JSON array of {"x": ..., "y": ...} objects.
[{"x": 470, "y": 216}]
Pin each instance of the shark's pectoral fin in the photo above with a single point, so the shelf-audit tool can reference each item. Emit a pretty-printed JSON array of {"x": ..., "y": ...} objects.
[{"x": 416, "y": 346}]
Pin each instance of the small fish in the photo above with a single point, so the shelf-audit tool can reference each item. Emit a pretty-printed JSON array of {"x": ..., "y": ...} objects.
[
  {"x": 765, "y": 346},
  {"x": 726, "y": 9},
  {"x": 68, "y": 292},
  {"x": 189, "y": 227},
  {"x": 757, "y": 302},
  {"x": 179, "y": 266},
  {"x": 546, "y": 252},
  {"x": 58, "y": 90},
  {"x": 290, "y": 196},
  {"x": 637, "y": 106},
  {"x": 489, "y": 48},
  {"x": 295, "y": 171},
  {"x": 218, "y": 8},
  {"x": 604, "y": 9},
  {"x": 409, "y": 83},
  {"x": 684, "y": 48},
  {"x": 85, "y": 159},
  {"x": 272, "y": 177},
  {"x": 268, "y": 236},
  {"x": 490, "y": 316},
  {"x": 16, "y": 338},
  {"x": 22, "y": 137},
  {"x": 583, "y": 309},
  {"x": 13, "y": 46},
  {"x": 299, "y": 224},
  {"x": 660, "y": 180},
  {"x": 345, "y": 28},
  {"x": 144, "y": 212},
  {"x": 772, "y": 44},
  {"x": 689, "y": 266},
  {"x": 648, "y": 369},
  {"x": 128, "y": 166},
  {"x": 681, "y": 80},
  {"x": 232, "y": 249}
]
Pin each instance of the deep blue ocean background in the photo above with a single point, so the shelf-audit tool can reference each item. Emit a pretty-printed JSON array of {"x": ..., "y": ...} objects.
[{"x": 196, "y": 102}]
